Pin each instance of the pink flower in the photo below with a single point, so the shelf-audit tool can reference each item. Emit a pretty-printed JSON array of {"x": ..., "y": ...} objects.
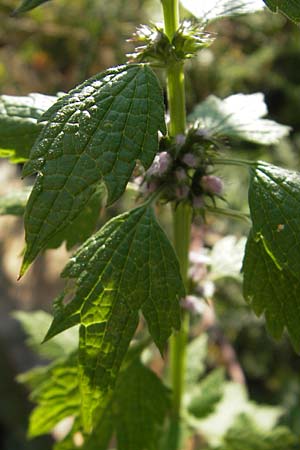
[{"x": 212, "y": 184}]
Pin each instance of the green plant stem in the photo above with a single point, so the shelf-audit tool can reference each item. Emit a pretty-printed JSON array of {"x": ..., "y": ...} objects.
[{"x": 182, "y": 215}]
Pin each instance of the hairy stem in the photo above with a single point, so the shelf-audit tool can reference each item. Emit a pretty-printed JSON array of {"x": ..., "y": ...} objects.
[{"x": 182, "y": 215}]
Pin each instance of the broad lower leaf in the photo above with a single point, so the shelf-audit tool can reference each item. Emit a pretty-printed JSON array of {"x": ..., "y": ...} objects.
[
  {"x": 291, "y": 8},
  {"x": 36, "y": 324},
  {"x": 19, "y": 125},
  {"x": 14, "y": 203},
  {"x": 272, "y": 291},
  {"x": 129, "y": 265},
  {"x": 245, "y": 435},
  {"x": 207, "y": 394},
  {"x": 216, "y": 9},
  {"x": 97, "y": 130},
  {"x": 274, "y": 199},
  {"x": 28, "y": 5},
  {"x": 57, "y": 396},
  {"x": 238, "y": 116},
  {"x": 141, "y": 404}
]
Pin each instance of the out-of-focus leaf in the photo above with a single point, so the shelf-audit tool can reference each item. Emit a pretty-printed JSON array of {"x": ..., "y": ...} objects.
[
  {"x": 234, "y": 402},
  {"x": 246, "y": 435},
  {"x": 206, "y": 395},
  {"x": 226, "y": 257},
  {"x": 28, "y": 5},
  {"x": 57, "y": 396},
  {"x": 196, "y": 354},
  {"x": 19, "y": 127},
  {"x": 238, "y": 116},
  {"x": 136, "y": 410},
  {"x": 216, "y": 9},
  {"x": 14, "y": 202},
  {"x": 36, "y": 324}
]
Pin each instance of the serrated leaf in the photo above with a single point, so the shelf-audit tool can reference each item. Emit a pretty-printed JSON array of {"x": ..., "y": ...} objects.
[
  {"x": 97, "y": 130},
  {"x": 244, "y": 434},
  {"x": 19, "y": 125},
  {"x": 239, "y": 116},
  {"x": 57, "y": 396},
  {"x": 208, "y": 10},
  {"x": 28, "y": 5},
  {"x": 14, "y": 202},
  {"x": 141, "y": 405},
  {"x": 291, "y": 8},
  {"x": 274, "y": 200},
  {"x": 136, "y": 410},
  {"x": 36, "y": 324},
  {"x": 271, "y": 291},
  {"x": 129, "y": 265},
  {"x": 207, "y": 394}
]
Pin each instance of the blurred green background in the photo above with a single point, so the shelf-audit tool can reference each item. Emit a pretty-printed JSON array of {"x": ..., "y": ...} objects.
[{"x": 62, "y": 43}]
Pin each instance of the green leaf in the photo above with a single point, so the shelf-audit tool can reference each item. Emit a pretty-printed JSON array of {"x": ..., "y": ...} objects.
[
  {"x": 14, "y": 203},
  {"x": 141, "y": 404},
  {"x": 238, "y": 116},
  {"x": 207, "y": 394},
  {"x": 271, "y": 291},
  {"x": 36, "y": 324},
  {"x": 28, "y": 5},
  {"x": 97, "y": 130},
  {"x": 208, "y": 10},
  {"x": 291, "y": 8},
  {"x": 274, "y": 200},
  {"x": 196, "y": 355},
  {"x": 233, "y": 403},
  {"x": 136, "y": 410},
  {"x": 19, "y": 125},
  {"x": 57, "y": 396},
  {"x": 83, "y": 225},
  {"x": 129, "y": 265},
  {"x": 244, "y": 434}
]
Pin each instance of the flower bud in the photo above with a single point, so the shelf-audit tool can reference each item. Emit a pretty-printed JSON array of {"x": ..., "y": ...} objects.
[
  {"x": 182, "y": 192},
  {"x": 180, "y": 174},
  {"x": 198, "y": 202},
  {"x": 190, "y": 160},
  {"x": 212, "y": 184},
  {"x": 160, "y": 165},
  {"x": 193, "y": 304}
]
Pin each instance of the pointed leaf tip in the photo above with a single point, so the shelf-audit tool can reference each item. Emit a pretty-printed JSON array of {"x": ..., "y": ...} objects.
[
  {"x": 128, "y": 266},
  {"x": 97, "y": 131}
]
